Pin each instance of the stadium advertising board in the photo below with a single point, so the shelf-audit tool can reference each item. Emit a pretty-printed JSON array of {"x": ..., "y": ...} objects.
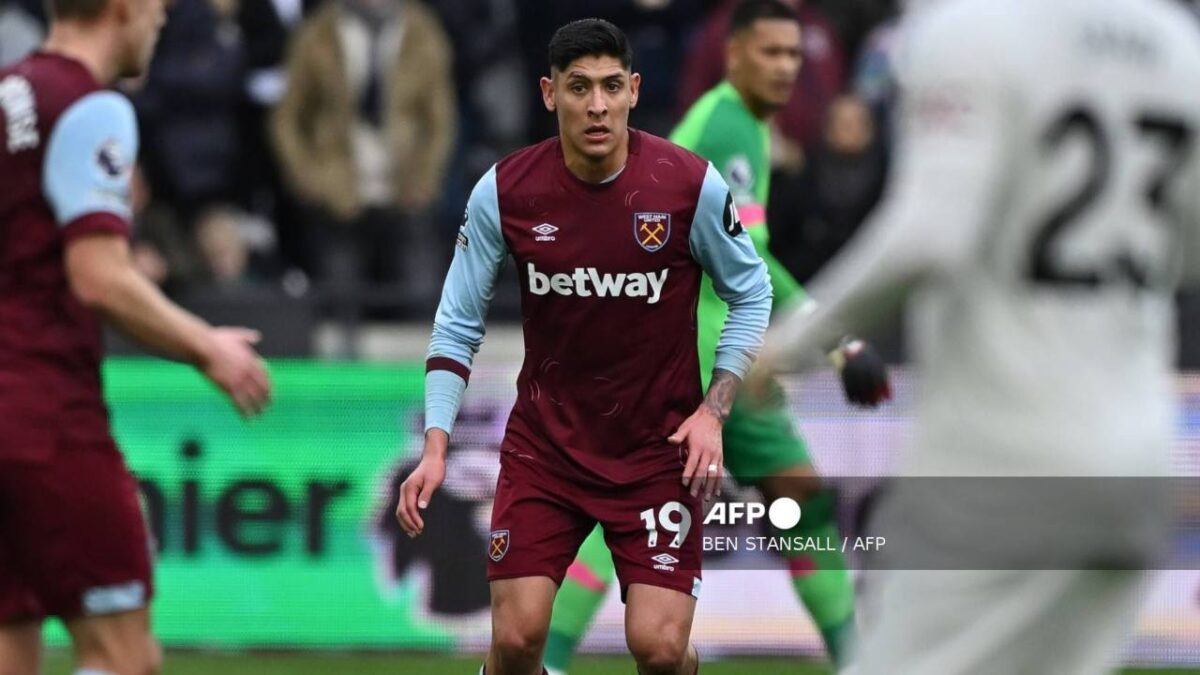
[{"x": 279, "y": 533}]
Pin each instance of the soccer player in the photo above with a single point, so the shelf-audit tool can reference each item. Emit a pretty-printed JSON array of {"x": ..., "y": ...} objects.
[
  {"x": 728, "y": 126},
  {"x": 1044, "y": 210},
  {"x": 72, "y": 540},
  {"x": 611, "y": 230}
]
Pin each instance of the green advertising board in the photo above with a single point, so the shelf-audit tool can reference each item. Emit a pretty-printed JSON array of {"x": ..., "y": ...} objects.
[
  {"x": 278, "y": 532},
  {"x": 267, "y": 530}
]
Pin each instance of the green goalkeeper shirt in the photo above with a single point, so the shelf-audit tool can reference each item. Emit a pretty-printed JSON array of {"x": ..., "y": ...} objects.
[{"x": 720, "y": 128}]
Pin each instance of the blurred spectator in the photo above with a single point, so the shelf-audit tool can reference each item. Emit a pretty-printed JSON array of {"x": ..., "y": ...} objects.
[
  {"x": 266, "y": 27},
  {"x": 35, "y": 9},
  {"x": 225, "y": 241},
  {"x": 488, "y": 72},
  {"x": 491, "y": 89},
  {"x": 842, "y": 181},
  {"x": 854, "y": 19},
  {"x": 875, "y": 76},
  {"x": 20, "y": 32},
  {"x": 188, "y": 106},
  {"x": 821, "y": 77},
  {"x": 224, "y": 247},
  {"x": 364, "y": 133},
  {"x": 161, "y": 248}
]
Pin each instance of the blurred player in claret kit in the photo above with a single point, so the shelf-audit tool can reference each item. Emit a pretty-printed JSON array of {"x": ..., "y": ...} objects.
[
  {"x": 72, "y": 540},
  {"x": 611, "y": 229},
  {"x": 728, "y": 127},
  {"x": 1044, "y": 211}
]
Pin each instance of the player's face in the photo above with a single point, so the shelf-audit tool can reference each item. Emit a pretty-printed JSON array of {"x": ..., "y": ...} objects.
[
  {"x": 764, "y": 60},
  {"x": 142, "y": 23},
  {"x": 592, "y": 99}
]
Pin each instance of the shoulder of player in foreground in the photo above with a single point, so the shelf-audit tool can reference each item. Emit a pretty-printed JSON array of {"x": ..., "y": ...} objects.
[
  {"x": 89, "y": 157},
  {"x": 57, "y": 81},
  {"x": 100, "y": 108},
  {"x": 1178, "y": 24}
]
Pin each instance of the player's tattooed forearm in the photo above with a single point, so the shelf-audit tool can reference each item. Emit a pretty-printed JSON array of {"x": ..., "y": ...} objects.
[{"x": 721, "y": 393}]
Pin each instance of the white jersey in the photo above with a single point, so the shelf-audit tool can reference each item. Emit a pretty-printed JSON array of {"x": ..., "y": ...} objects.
[{"x": 1045, "y": 206}]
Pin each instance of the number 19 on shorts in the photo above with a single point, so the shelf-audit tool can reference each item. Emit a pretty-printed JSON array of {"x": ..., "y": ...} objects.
[{"x": 664, "y": 519}]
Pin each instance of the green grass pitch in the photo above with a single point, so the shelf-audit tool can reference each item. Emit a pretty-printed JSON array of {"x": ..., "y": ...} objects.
[{"x": 409, "y": 664}]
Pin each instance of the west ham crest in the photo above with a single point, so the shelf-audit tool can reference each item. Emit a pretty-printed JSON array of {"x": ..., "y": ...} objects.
[
  {"x": 498, "y": 546},
  {"x": 652, "y": 230}
]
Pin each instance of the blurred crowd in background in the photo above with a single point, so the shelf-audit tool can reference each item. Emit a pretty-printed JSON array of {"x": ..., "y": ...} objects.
[{"x": 326, "y": 148}]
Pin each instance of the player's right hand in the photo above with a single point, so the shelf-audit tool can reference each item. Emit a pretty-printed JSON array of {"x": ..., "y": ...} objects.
[
  {"x": 418, "y": 488},
  {"x": 233, "y": 365},
  {"x": 415, "y": 493}
]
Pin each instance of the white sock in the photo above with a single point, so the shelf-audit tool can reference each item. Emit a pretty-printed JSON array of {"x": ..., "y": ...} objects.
[
  {"x": 92, "y": 671},
  {"x": 555, "y": 671}
]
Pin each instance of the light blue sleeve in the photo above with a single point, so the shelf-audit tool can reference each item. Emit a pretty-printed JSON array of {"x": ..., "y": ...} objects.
[
  {"x": 89, "y": 158},
  {"x": 740, "y": 277},
  {"x": 470, "y": 284}
]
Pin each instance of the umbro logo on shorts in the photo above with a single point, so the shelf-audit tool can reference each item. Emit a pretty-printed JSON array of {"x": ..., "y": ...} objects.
[
  {"x": 498, "y": 546},
  {"x": 665, "y": 562}
]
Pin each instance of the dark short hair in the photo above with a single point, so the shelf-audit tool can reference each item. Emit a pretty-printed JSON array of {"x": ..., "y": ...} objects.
[
  {"x": 74, "y": 9},
  {"x": 589, "y": 37},
  {"x": 749, "y": 11}
]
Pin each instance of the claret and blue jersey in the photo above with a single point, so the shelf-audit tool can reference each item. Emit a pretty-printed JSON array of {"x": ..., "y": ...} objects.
[
  {"x": 610, "y": 275},
  {"x": 75, "y": 543},
  {"x": 67, "y": 149}
]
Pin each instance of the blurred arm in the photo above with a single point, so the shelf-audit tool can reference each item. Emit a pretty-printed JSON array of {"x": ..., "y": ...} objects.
[
  {"x": 104, "y": 279},
  {"x": 950, "y": 166},
  {"x": 85, "y": 178}
]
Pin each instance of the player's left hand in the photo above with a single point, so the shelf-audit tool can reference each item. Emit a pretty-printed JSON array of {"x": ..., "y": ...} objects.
[
  {"x": 701, "y": 435},
  {"x": 864, "y": 373}
]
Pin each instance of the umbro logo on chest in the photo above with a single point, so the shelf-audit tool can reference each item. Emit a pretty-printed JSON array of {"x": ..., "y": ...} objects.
[{"x": 544, "y": 232}]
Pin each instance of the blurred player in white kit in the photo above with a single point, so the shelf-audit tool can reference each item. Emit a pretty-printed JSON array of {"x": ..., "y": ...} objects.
[{"x": 1044, "y": 209}]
